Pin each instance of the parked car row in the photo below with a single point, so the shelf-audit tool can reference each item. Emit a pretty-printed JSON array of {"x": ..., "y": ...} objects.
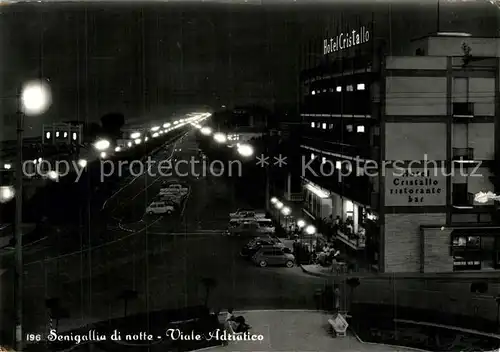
[
  {"x": 268, "y": 250},
  {"x": 249, "y": 222},
  {"x": 169, "y": 199}
]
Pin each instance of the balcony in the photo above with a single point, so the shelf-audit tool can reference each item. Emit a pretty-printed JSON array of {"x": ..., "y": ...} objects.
[
  {"x": 464, "y": 154},
  {"x": 463, "y": 200}
]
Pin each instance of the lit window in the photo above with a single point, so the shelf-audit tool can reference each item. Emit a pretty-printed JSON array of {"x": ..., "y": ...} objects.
[
  {"x": 338, "y": 164},
  {"x": 312, "y": 156},
  {"x": 74, "y": 136},
  {"x": 323, "y": 160},
  {"x": 313, "y": 125},
  {"x": 360, "y": 86},
  {"x": 313, "y": 92},
  {"x": 65, "y": 134},
  {"x": 349, "y": 88},
  {"x": 331, "y": 90},
  {"x": 318, "y": 124},
  {"x": 57, "y": 134},
  {"x": 339, "y": 89},
  {"x": 331, "y": 126},
  {"x": 348, "y": 128},
  {"x": 47, "y": 135},
  {"x": 360, "y": 129},
  {"x": 324, "y": 90},
  {"x": 324, "y": 126}
]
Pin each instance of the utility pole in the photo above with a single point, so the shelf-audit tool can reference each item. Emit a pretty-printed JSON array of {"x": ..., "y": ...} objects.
[{"x": 18, "y": 232}]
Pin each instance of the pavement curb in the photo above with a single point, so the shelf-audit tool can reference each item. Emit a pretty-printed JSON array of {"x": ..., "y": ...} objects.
[
  {"x": 490, "y": 276},
  {"x": 308, "y": 272}
]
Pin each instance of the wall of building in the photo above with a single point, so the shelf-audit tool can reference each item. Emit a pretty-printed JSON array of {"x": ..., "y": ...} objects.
[
  {"x": 415, "y": 96},
  {"x": 412, "y": 141},
  {"x": 452, "y": 46},
  {"x": 479, "y": 91},
  {"x": 413, "y": 62},
  {"x": 436, "y": 246},
  {"x": 477, "y": 180},
  {"x": 479, "y": 136},
  {"x": 403, "y": 240}
]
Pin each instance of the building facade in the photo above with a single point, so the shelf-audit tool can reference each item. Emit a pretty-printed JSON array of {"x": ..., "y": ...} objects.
[{"x": 396, "y": 147}]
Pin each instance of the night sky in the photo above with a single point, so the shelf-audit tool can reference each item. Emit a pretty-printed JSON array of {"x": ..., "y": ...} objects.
[{"x": 148, "y": 60}]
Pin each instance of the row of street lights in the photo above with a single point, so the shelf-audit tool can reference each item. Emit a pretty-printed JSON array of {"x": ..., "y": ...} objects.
[
  {"x": 137, "y": 137},
  {"x": 245, "y": 149},
  {"x": 309, "y": 229}
]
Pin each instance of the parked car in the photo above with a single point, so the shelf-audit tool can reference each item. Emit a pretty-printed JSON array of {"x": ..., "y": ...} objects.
[
  {"x": 270, "y": 255},
  {"x": 160, "y": 207},
  {"x": 247, "y": 213},
  {"x": 254, "y": 245}
]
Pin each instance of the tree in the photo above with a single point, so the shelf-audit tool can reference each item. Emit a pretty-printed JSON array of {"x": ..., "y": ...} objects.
[
  {"x": 112, "y": 123},
  {"x": 208, "y": 283},
  {"x": 353, "y": 283},
  {"x": 126, "y": 296}
]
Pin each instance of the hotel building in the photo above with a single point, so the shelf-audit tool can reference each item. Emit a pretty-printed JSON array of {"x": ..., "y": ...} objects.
[{"x": 397, "y": 147}]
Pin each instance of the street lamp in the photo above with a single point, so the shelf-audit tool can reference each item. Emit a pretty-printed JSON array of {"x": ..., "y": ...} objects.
[
  {"x": 7, "y": 166},
  {"x": 137, "y": 141},
  {"x": 245, "y": 150},
  {"x": 118, "y": 149},
  {"x": 286, "y": 211},
  {"x": 135, "y": 135},
  {"x": 102, "y": 145},
  {"x": 310, "y": 230},
  {"x": 156, "y": 128},
  {"x": 279, "y": 205},
  {"x": 301, "y": 224},
  {"x": 206, "y": 131},
  {"x": 274, "y": 200},
  {"x": 220, "y": 137},
  {"x": 34, "y": 99},
  {"x": 7, "y": 193},
  {"x": 103, "y": 155},
  {"x": 53, "y": 175},
  {"x": 82, "y": 163}
]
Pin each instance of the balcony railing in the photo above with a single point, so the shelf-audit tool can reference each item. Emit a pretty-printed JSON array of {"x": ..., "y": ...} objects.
[
  {"x": 463, "y": 200},
  {"x": 295, "y": 197},
  {"x": 463, "y": 153}
]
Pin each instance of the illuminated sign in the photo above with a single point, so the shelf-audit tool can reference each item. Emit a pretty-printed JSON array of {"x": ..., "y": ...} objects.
[
  {"x": 414, "y": 188},
  {"x": 346, "y": 40}
]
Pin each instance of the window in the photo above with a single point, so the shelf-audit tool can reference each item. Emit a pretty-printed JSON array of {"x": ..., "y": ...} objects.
[
  {"x": 360, "y": 86},
  {"x": 330, "y": 90},
  {"x": 360, "y": 129},
  {"x": 312, "y": 156},
  {"x": 313, "y": 92},
  {"x": 312, "y": 125},
  {"x": 338, "y": 165},
  {"x": 349, "y": 128},
  {"x": 331, "y": 126},
  {"x": 339, "y": 89},
  {"x": 349, "y": 88},
  {"x": 323, "y": 160},
  {"x": 463, "y": 109},
  {"x": 324, "y": 126}
]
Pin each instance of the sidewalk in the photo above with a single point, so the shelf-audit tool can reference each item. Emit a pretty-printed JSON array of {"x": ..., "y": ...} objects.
[{"x": 316, "y": 270}]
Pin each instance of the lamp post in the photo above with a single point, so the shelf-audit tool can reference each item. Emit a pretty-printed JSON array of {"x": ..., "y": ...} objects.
[{"x": 34, "y": 99}]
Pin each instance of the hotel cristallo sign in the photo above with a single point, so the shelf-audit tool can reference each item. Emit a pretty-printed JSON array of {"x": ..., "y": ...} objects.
[
  {"x": 415, "y": 188},
  {"x": 346, "y": 40}
]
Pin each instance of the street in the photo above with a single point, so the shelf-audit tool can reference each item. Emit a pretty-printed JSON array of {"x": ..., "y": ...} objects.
[{"x": 165, "y": 259}]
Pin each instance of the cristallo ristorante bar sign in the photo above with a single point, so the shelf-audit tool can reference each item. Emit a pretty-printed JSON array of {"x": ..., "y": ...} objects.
[{"x": 346, "y": 40}]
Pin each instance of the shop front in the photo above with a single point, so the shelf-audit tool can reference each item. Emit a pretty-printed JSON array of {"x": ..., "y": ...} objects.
[
  {"x": 357, "y": 228},
  {"x": 475, "y": 250},
  {"x": 318, "y": 203}
]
